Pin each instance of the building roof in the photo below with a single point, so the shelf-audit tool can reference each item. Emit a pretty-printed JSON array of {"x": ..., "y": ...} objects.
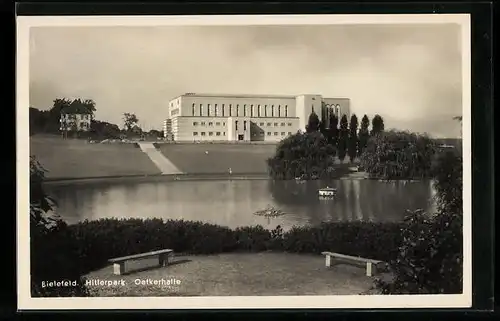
[
  {"x": 250, "y": 96},
  {"x": 235, "y": 95}
]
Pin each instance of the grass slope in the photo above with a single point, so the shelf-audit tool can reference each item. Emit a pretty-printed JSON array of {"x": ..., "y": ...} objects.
[
  {"x": 72, "y": 158},
  {"x": 242, "y": 159}
]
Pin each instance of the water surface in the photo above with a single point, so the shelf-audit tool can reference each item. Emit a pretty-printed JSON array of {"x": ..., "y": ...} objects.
[{"x": 232, "y": 202}]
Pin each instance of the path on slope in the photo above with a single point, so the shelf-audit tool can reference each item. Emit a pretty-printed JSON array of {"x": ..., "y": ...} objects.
[{"x": 164, "y": 164}]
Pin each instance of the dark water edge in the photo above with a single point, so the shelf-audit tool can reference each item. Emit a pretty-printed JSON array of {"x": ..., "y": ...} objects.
[{"x": 152, "y": 178}]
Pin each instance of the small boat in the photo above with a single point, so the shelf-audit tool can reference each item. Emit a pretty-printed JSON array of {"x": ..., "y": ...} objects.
[
  {"x": 328, "y": 191},
  {"x": 269, "y": 211},
  {"x": 299, "y": 180}
]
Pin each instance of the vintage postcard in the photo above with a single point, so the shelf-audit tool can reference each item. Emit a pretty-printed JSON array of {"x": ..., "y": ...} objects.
[{"x": 217, "y": 162}]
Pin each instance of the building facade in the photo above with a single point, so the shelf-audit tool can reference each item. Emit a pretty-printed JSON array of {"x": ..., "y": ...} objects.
[
  {"x": 208, "y": 117},
  {"x": 75, "y": 122}
]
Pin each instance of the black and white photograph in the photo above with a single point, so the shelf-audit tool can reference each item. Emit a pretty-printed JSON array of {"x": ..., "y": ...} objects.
[{"x": 274, "y": 161}]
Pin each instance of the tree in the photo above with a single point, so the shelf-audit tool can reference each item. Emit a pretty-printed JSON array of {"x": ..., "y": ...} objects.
[
  {"x": 377, "y": 125},
  {"x": 333, "y": 131},
  {"x": 130, "y": 120},
  {"x": 313, "y": 123},
  {"x": 430, "y": 258},
  {"x": 399, "y": 155},
  {"x": 322, "y": 128},
  {"x": 364, "y": 134},
  {"x": 343, "y": 138},
  {"x": 305, "y": 155},
  {"x": 38, "y": 120},
  {"x": 459, "y": 118},
  {"x": 53, "y": 251},
  {"x": 352, "y": 147},
  {"x": 104, "y": 130}
]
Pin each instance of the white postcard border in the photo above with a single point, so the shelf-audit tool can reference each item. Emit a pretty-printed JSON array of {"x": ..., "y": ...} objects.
[{"x": 25, "y": 302}]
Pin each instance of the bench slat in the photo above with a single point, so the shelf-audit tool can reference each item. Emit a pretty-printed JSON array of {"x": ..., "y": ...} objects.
[
  {"x": 141, "y": 255},
  {"x": 348, "y": 257}
]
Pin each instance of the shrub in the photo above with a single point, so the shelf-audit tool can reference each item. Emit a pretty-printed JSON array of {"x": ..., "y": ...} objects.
[
  {"x": 430, "y": 258},
  {"x": 103, "y": 239},
  {"x": 98, "y": 241},
  {"x": 398, "y": 155},
  {"x": 53, "y": 251},
  {"x": 365, "y": 239},
  {"x": 306, "y": 155}
]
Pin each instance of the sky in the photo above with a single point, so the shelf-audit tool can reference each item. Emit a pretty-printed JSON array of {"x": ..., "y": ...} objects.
[{"x": 409, "y": 74}]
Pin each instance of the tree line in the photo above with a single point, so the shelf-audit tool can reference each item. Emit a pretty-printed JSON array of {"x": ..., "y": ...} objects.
[
  {"x": 49, "y": 121},
  {"x": 344, "y": 135}
]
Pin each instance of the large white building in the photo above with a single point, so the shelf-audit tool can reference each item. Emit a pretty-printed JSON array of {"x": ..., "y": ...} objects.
[{"x": 208, "y": 117}]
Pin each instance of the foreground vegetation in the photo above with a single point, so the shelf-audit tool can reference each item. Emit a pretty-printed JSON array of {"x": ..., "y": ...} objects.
[{"x": 424, "y": 252}]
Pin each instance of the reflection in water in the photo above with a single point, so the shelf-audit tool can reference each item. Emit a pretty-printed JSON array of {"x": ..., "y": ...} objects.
[{"x": 232, "y": 203}]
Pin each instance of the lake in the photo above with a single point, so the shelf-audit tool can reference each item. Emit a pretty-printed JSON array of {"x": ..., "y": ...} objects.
[{"x": 232, "y": 202}]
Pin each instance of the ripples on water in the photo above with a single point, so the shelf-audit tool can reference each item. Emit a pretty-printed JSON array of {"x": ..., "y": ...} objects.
[{"x": 233, "y": 202}]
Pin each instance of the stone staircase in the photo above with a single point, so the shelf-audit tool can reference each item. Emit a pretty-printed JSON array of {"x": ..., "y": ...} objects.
[{"x": 164, "y": 165}]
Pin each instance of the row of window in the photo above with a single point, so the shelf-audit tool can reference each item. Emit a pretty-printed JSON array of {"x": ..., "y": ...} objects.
[
  {"x": 229, "y": 112},
  {"x": 224, "y": 133},
  {"x": 195, "y": 123},
  {"x": 275, "y": 124},
  {"x": 209, "y": 133},
  {"x": 275, "y": 134},
  {"x": 74, "y": 116}
]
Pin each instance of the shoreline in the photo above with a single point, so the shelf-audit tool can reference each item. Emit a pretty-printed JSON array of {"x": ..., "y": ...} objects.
[
  {"x": 186, "y": 177},
  {"x": 154, "y": 178}
]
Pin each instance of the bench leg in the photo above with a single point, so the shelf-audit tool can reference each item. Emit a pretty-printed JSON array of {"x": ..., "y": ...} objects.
[
  {"x": 163, "y": 260},
  {"x": 328, "y": 261},
  {"x": 371, "y": 269},
  {"x": 119, "y": 268}
]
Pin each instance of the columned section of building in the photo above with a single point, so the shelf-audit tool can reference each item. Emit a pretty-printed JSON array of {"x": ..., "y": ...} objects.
[{"x": 208, "y": 117}]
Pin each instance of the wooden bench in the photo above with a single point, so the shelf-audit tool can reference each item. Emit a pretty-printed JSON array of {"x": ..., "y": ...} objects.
[
  {"x": 371, "y": 265},
  {"x": 119, "y": 262}
]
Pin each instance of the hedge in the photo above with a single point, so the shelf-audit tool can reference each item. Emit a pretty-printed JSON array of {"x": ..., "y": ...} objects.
[{"x": 98, "y": 241}]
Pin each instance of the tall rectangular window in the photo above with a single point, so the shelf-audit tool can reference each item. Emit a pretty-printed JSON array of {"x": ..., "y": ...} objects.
[
  {"x": 272, "y": 110},
  {"x": 279, "y": 110},
  {"x": 215, "y": 112},
  {"x": 208, "y": 110},
  {"x": 230, "y": 110},
  {"x": 286, "y": 110},
  {"x": 201, "y": 109},
  {"x": 245, "y": 125},
  {"x": 192, "y": 111},
  {"x": 251, "y": 110},
  {"x": 265, "y": 110},
  {"x": 236, "y": 125},
  {"x": 223, "y": 110},
  {"x": 237, "y": 110},
  {"x": 244, "y": 110},
  {"x": 258, "y": 111}
]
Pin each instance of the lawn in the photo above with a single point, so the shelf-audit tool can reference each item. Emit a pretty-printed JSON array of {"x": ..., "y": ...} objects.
[
  {"x": 72, "y": 158},
  {"x": 237, "y": 274},
  {"x": 218, "y": 158}
]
